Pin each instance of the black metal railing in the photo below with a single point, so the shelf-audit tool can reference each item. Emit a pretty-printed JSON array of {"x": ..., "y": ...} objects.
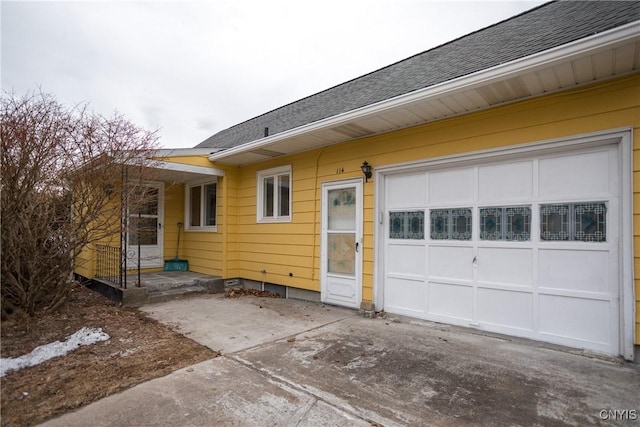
[{"x": 109, "y": 264}]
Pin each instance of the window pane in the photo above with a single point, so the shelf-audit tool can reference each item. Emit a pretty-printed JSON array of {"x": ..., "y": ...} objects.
[
  {"x": 396, "y": 225},
  {"x": 406, "y": 225},
  {"x": 195, "y": 206},
  {"x": 491, "y": 224},
  {"x": 461, "y": 224},
  {"x": 554, "y": 222},
  {"x": 440, "y": 224},
  {"x": 144, "y": 201},
  {"x": 144, "y": 230},
  {"x": 342, "y": 209},
  {"x": 283, "y": 186},
  {"x": 210, "y": 206},
  {"x": 518, "y": 223},
  {"x": 341, "y": 253},
  {"x": 267, "y": 206},
  {"x": 451, "y": 224},
  {"x": 505, "y": 223},
  {"x": 590, "y": 222}
]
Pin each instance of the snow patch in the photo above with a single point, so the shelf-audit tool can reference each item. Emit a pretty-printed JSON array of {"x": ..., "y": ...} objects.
[{"x": 84, "y": 336}]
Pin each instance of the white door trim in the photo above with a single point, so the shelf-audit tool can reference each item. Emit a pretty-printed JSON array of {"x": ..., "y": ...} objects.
[
  {"x": 356, "y": 300},
  {"x": 621, "y": 136}
]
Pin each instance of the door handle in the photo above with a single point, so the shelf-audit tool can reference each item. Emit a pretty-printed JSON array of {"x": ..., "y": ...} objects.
[{"x": 357, "y": 244}]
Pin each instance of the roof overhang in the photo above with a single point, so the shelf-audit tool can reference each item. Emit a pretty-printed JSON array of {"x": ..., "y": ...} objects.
[
  {"x": 602, "y": 56},
  {"x": 178, "y": 172}
]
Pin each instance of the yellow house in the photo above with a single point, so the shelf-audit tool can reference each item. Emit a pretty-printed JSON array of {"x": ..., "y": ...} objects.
[{"x": 492, "y": 182}]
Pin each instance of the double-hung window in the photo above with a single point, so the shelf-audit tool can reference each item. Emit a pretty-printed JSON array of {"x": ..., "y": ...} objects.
[
  {"x": 201, "y": 206},
  {"x": 274, "y": 195}
]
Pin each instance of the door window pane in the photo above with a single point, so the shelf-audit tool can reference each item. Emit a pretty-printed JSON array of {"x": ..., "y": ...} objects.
[
  {"x": 341, "y": 253},
  {"x": 342, "y": 209},
  {"x": 143, "y": 230},
  {"x": 144, "y": 201}
]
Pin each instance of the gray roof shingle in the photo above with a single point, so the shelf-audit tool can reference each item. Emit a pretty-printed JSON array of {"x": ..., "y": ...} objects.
[{"x": 545, "y": 27}]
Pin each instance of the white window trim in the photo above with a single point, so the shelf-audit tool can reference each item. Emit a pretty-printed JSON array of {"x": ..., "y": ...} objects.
[
  {"x": 268, "y": 173},
  {"x": 187, "y": 205}
]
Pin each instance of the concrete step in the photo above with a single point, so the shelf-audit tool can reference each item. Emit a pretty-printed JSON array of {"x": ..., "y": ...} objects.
[{"x": 175, "y": 293}]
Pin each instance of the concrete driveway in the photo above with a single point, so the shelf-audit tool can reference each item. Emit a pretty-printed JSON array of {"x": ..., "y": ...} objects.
[{"x": 287, "y": 362}]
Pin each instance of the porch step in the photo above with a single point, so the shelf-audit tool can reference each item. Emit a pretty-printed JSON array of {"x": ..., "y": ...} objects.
[{"x": 174, "y": 293}]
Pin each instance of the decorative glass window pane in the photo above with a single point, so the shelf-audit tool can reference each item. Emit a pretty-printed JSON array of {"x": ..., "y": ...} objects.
[
  {"x": 406, "y": 225},
  {"x": 416, "y": 225},
  {"x": 461, "y": 224},
  {"x": 505, "y": 223},
  {"x": 342, "y": 209},
  {"x": 518, "y": 224},
  {"x": 554, "y": 222},
  {"x": 396, "y": 225},
  {"x": 440, "y": 224},
  {"x": 586, "y": 222},
  {"x": 590, "y": 222},
  {"x": 451, "y": 224},
  {"x": 341, "y": 253},
  {"x": 491, "y": 223},
  {"x": 210, "y": 206}
]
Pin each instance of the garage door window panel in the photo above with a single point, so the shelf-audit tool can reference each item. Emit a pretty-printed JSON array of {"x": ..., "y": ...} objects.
[
  {"x": 511, "y": 223},
  {"x": 451, "y": 224},
  {"x": 406, "y": 225},
  {"x": 584, "y": 222}
]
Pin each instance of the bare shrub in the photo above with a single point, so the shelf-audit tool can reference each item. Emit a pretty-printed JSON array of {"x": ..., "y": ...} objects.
[{"x": 62, "y": 170}]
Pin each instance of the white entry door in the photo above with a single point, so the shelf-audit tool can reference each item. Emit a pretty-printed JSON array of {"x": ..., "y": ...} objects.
[
  {"x": 342, "y": 243},
  {"x": 145, "y": 228}
]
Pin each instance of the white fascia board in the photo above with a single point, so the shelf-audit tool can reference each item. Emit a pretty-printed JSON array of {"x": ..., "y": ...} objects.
[
  {"x": 179, "y": 167},
  {"x": 499, "y": 72},
  {"x": 179, "y": 152}
]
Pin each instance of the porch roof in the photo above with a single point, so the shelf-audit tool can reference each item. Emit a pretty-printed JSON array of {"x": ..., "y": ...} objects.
[{"x": 179, "y": 172}]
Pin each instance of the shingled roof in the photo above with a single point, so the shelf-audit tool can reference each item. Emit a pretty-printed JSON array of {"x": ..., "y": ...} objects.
[{"x": 545, "y": 27}]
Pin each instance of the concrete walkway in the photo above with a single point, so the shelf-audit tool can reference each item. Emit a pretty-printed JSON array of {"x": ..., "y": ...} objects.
[{"x": 296, "y": 363}]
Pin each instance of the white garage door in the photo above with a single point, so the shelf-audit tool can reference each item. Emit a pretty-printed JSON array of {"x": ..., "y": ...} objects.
[{"x": 526, "y": 247}]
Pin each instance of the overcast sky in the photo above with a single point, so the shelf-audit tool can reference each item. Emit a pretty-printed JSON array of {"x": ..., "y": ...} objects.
[{"x": 193, "y": 68}]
